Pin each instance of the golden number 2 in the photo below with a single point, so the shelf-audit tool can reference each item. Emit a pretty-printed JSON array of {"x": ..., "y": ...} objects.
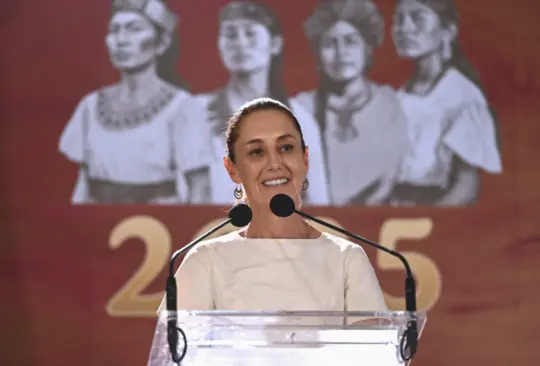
[
  {"x": 129, "y": 299},
  {"x": 427, "y": 275}
]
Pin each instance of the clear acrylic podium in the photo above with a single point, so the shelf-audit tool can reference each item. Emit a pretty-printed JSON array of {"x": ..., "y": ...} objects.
[{"x": 284, "y": 338}]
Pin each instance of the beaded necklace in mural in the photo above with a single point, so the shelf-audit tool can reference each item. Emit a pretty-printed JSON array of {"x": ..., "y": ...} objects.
[
  {"x": 346, "y": 130},
  {"x": 116, "y": 119}
]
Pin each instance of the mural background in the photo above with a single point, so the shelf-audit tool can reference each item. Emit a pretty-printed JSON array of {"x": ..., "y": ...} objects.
[{"x": 62, "y": 264}]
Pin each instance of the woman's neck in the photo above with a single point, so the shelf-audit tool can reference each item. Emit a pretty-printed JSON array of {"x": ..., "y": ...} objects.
[
  {"x": 350, "y": 94},
  {"x": 138, "y": 86},
  {"x": 266, "y": 225},
  {"x": 244, "y": 87},
  {"x": 428, "y": 71}
]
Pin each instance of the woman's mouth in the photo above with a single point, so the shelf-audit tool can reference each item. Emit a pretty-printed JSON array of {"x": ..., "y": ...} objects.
[{"x": 275, "y": 182}]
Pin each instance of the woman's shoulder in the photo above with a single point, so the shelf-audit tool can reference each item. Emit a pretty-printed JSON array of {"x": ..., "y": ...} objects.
[
  {"x": 459, "y": 86},
  {"x": 304, "y": 100},
  {"x": 92, "y": 97},
  {"x": 384, "y": 91},
  {"x": 211, "y": 245},
  {"x": 207, "y": 98},
  {"x": 204, "y": 99},
  {"x": 341, "y": 244}
]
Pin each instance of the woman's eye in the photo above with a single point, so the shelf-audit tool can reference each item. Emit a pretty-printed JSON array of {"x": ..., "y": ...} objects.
[
  {"x": 256, "y": 152},
  {"x": 287, "y": 148}
]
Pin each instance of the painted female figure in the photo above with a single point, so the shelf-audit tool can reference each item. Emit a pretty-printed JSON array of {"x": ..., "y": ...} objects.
[
  {"x": 140, "y": 140},
  {"x": 453, "y": 131},
  {"x": 361, "y": 121},
  {"x": 250, "y": 44}
]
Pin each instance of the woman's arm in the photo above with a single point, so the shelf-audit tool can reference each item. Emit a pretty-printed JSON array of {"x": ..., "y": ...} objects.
[
  {"x": 198, "y": 182},
  {"x": 80, "y": 194},
  {"x": 465, "y": 188}
]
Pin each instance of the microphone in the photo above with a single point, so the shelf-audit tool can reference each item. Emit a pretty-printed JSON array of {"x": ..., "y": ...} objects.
[
  {"x": 283, "y": 206},
  {"x": 240, "y": 215}
]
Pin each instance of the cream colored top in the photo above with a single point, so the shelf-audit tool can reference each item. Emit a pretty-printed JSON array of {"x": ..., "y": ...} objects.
[{"x": 236, "y": 273}]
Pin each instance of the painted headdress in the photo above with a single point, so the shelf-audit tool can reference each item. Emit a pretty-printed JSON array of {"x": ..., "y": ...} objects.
[
  {"x": 363, "y": 14},
  {"x": 250, "y": 10},
  {"x": 155, "y": 10}
]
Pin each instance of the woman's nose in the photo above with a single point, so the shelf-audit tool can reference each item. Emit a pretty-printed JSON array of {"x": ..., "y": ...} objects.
[
  {"x": 341, "y": 50},
  {"x": 122, "y": 37},
  {"x": 406, "y": 25},
  {"x": 274, "y": 160}
]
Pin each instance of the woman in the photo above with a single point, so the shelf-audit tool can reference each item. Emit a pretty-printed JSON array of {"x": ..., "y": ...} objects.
[
  {"x": 250, "y": 43},
  {"x": 363, "y": 127},
  {"x": 275, "y": 264},
  {"x": 450, "y": 123},
  {"x": 139, "y": 140}
]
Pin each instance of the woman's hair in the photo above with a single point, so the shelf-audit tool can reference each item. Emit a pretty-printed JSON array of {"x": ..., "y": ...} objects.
[
  {"x": 362, "y": 15},
  {"x": 260, "y": 104},
  {"x": 264, "y": 15},
  {"x": 448, "y": 16},
  {"x": 164, "y": 22}
]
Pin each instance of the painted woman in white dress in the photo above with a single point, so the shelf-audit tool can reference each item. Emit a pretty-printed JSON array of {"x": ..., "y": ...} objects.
[
  {"x": 452, "y": 127},
  {"x": 364, "y": 128},
  {"x": 142, "y": 139},
  {"x": 250, "y": 43}
]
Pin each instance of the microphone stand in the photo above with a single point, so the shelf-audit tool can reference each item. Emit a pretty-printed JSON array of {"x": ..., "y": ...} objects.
[
  {"x": 240, "y": 215},
  {"x": 411, "y": 334},
  {"x": 283, "y": 206}
]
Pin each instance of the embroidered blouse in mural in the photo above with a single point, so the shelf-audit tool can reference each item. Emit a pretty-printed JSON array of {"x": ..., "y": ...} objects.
[
  {"x": 453, "y": 118},
  {"x": 364, "y": 142},
  {"x": 219, "y": 110},
  {"x": 135, "y": 157}
]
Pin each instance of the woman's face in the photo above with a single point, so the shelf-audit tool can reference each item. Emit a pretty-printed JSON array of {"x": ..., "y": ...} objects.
[
  {"x": 269, "y": 158},
  {"x": 246, "y": 46},
  {"x": 417, "y": 30},
  {"x": 132, "y": 41},
  {"x": 343, "y": 52}
]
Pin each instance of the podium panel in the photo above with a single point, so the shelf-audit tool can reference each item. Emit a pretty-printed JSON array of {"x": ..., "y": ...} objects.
[{"x": 227, "y": 338}]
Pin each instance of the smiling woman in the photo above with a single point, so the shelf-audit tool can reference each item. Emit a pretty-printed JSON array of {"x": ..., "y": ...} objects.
[
  {"x": 137, "y": 141},
  {"x": 276, "y": 264}
]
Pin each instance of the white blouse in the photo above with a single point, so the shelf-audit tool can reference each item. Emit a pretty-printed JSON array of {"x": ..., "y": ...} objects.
[
  {"x": 232, "y": 272},
  {"x": 175, "y": 141},
  {"x": 452, "y": 119}
]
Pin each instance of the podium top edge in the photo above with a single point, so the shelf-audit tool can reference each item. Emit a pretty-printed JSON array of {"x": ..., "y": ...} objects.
[{"x": 259, "y": 313}]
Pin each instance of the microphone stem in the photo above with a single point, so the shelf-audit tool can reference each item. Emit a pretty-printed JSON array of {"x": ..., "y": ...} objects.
[
  {"x": 345, "y": 232},
  {"x": 191, "y": 244}
]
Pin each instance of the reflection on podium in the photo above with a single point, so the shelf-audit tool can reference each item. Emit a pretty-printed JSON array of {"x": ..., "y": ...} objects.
[{"x": 285, "y": 338}]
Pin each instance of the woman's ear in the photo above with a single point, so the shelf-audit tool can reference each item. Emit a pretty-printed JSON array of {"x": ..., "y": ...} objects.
[
  {"x": 164, "y": 43},
  {"x": 232, "y": 170},
  {"x": 306, "y": 159},
  {"x": 277, "y": 45},
  {"x": 452, "y": 31}
]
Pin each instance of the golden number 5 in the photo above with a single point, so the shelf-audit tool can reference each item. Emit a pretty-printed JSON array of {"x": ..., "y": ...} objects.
[
  {"x": 129, "y": 299},
  {"x": 425, "y": 271}
]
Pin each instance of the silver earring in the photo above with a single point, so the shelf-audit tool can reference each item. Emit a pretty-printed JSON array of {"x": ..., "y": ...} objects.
[
  {"x": 238, "y": 193},
  {"x": 305, "y": 186},
  {"x": 447, "y": 50}
]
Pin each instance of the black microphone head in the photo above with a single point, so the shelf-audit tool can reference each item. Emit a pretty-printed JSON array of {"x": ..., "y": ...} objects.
[
  {"x": 282, "y": 205},
  {"x": 240, "y": 215}
]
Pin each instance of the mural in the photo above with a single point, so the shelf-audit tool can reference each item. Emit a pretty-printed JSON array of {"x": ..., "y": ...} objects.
[{"x": 421, "y": 118}]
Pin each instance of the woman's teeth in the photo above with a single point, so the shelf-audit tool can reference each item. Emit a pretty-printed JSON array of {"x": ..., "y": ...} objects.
[{"x": 275, "y": 182}]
